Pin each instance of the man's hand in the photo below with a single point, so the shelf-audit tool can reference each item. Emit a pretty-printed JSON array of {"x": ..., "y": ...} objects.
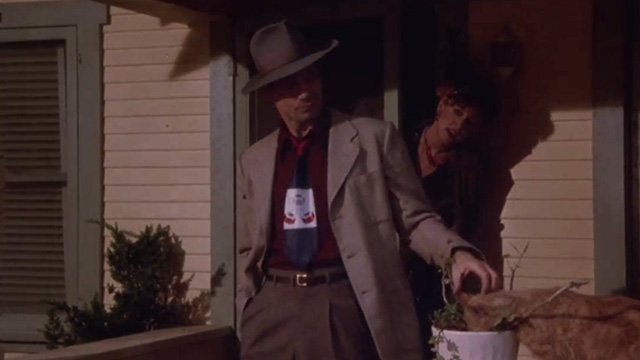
[{"x": 464, "y": 263}]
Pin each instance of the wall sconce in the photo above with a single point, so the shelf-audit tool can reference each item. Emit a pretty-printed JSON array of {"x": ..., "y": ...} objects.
[{"x": 505, "y": 53}]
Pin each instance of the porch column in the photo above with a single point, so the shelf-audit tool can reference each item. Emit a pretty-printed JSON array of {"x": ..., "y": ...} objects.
[{"x": 222, "y": 170}]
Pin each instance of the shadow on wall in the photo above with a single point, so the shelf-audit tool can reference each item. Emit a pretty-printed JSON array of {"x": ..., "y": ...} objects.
[
  {"x": 191, "y": 56},
  {"x": 514, "y": 136},
  {"x": 553, "y": 73}
]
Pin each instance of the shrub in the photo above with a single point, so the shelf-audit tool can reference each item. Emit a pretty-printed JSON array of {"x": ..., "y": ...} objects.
[{"x": 151, "y": 292}]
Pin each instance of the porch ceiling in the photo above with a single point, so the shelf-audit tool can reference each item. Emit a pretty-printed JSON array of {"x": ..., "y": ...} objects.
[
  {"x": 213, "y": 7},
  {"x": 186, "y": 10}
]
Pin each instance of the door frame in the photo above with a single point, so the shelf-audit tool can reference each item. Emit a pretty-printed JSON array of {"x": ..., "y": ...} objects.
[{"x": 632, "y": 106}]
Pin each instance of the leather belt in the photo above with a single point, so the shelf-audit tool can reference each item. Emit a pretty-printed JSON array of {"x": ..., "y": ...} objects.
[{"x": 304, "y": 279}]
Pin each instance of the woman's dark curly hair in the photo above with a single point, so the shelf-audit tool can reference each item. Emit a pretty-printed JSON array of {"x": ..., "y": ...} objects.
[{"x": 472, "y": 90}]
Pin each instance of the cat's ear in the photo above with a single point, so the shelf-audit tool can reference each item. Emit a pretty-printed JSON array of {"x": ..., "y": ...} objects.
[{"x": 502, "y": 301}]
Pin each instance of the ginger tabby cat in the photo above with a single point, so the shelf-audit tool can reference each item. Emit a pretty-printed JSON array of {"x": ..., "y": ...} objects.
[{"x": 571, "y": 327}]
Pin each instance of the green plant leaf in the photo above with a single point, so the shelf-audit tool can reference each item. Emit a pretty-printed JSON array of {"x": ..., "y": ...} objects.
[{"x": 150, "y": 291}]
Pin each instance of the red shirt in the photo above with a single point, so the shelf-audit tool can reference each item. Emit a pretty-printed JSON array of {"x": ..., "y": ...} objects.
[{"x": 286, "y": 156}]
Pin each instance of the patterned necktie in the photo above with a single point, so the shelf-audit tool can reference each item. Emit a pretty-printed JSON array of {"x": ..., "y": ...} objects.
[{"x": 300, "y": 222}]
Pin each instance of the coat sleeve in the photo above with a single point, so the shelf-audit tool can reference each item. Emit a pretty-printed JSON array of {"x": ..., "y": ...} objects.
[
  {"x": 244, "y": 243},
  {"x": 416, "y": 221}
]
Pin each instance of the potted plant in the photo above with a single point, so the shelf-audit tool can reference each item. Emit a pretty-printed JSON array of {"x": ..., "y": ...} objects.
[
  {"x": 455, "y": 327},
  {"x": 451, "y": 338}
]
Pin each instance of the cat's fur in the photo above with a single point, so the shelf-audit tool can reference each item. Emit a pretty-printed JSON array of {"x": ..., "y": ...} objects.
[{"x": 571, "y": 327}]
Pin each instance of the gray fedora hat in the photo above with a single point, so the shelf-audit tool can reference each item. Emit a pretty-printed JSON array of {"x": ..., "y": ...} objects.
[{"x": 279, "y": 50}]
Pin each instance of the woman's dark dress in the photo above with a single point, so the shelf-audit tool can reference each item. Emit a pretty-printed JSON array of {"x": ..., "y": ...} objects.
[{"x": 451, "y": 190}]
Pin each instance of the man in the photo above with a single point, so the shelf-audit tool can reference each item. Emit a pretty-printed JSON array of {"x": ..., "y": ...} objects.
[{"x": 323, "y": 200}]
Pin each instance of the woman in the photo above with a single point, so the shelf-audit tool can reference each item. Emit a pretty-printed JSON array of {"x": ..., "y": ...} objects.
[{"x": 448, "y": 157}]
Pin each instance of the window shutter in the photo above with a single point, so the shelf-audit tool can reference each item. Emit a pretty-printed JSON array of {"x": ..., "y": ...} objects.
[{"x": 32, "y": 175}]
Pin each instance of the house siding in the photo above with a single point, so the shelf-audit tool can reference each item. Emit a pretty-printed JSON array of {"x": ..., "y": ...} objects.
[
  {"x": 157, "y": 150},
  {"x": 550, "y": 205},
  {"x": 156, "y": 164}
]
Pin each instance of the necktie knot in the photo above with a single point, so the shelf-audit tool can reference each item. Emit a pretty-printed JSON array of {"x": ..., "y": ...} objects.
[{"x": 301, "y": 144}]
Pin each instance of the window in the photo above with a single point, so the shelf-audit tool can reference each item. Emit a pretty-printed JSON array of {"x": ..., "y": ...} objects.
[
  {"x": 38, "y": 168},
  {"x": 50, "y": 162},
  {"x": 33, "y": 189}
]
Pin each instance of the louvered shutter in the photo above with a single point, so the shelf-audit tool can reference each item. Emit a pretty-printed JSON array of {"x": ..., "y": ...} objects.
[{"x": 32, "y": 175}]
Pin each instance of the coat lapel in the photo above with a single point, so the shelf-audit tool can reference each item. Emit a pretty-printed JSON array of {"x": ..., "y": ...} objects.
[
  {"x": 264, "y": 170},
  {"x": 343, "y": 151}
]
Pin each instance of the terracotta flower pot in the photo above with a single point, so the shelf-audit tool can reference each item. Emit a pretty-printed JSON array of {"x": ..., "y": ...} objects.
[{"x": 469, "y": 345}]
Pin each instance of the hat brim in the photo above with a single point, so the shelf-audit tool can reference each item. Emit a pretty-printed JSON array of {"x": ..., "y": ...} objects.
[{"x": 261, "y": 80}]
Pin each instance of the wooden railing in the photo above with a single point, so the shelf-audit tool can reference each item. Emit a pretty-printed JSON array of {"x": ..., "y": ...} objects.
[{"x": 184, "y": 343}]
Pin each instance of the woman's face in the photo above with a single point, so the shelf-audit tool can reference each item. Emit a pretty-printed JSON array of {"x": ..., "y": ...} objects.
[{"x": 456, "y": 123}]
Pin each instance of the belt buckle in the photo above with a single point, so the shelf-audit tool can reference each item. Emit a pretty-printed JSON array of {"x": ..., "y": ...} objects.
[{"x": 302, "y": 280}]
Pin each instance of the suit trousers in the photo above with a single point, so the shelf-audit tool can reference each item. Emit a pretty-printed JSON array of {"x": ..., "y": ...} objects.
[{"x": 321, "y": 322}]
